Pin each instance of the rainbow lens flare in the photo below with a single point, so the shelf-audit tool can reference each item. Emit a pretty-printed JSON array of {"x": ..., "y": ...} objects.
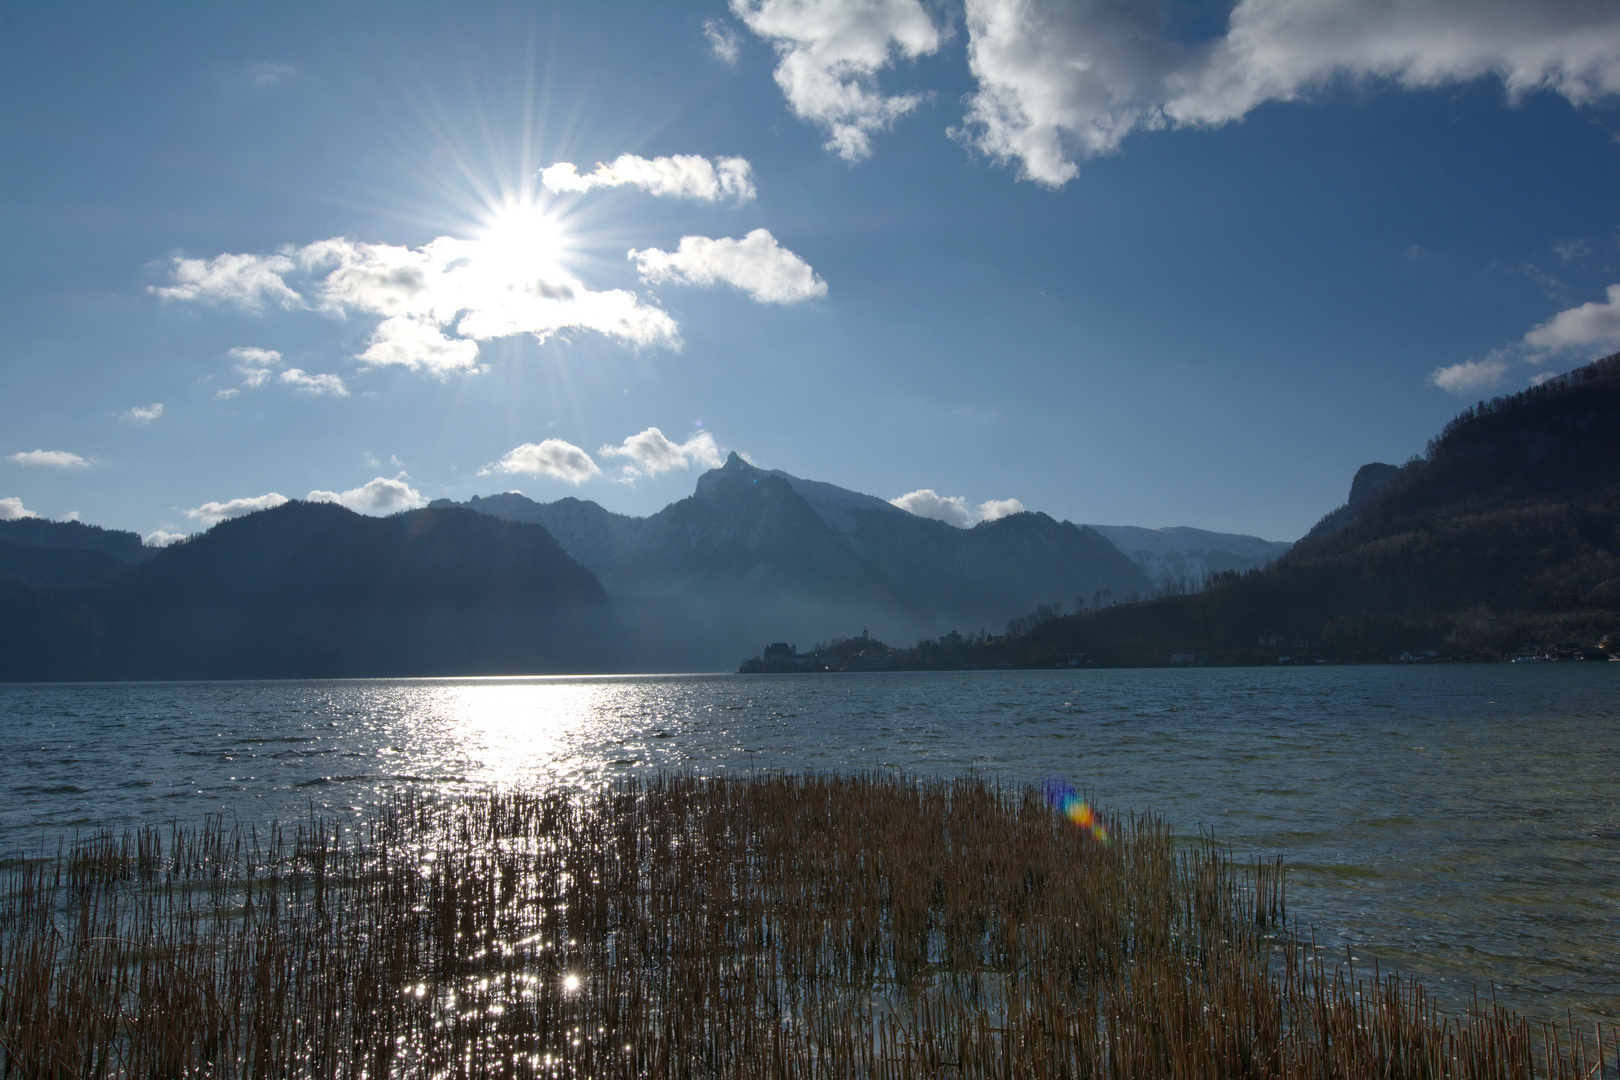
[{"x": 1065, "y": 798}]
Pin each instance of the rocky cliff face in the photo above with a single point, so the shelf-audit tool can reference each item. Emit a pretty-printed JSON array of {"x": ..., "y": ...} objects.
[{"x": 1370, "y": 481}]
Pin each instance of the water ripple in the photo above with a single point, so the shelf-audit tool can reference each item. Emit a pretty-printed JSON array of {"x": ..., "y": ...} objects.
[{"x": 1462, "y": 823}]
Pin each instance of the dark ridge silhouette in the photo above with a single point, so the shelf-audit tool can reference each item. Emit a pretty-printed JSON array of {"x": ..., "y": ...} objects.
[
  {"x": 1370, "y": 481},
  {"x": 756, "y": 555},
  {"x": 312, "y": 590},
  {"x": 56, "y": 565},
  {"x": 1505, "y": 534},
  {"x": 126, "y": 547}
]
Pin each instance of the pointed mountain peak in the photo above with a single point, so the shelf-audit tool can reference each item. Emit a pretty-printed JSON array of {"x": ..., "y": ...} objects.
[{"x": 734, "y": 471}]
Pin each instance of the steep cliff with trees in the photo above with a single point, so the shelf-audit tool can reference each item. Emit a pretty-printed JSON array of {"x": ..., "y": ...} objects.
[{"x": 1505, "y": 533}]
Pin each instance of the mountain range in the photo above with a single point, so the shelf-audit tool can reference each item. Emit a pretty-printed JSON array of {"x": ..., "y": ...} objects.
[
  {"x": 1502, "y": 538},
  {"x": 314, "y": 590},
  {"x": 504, "y": 584},
  {"x": 755, "y": 555}
]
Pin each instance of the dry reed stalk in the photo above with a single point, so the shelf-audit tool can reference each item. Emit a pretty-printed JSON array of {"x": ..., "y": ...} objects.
[{"x": 782, "y": 926}]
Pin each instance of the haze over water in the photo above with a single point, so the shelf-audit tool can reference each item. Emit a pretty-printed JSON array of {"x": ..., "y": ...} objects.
[{"x": 1460, "y": 823}]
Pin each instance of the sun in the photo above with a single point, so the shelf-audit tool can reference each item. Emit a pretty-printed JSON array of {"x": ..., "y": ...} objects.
[{"x": 523, "y": 238}]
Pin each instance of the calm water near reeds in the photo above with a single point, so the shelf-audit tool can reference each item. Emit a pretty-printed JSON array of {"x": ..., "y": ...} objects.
[{"x": 1458, "y": 823}]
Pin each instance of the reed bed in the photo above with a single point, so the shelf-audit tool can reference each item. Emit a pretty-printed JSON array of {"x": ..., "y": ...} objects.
[{"x": 780, "y": 926}]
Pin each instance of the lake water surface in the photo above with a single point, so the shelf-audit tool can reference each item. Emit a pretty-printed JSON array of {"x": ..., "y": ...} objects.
[{"x": 1457, "y": 822}]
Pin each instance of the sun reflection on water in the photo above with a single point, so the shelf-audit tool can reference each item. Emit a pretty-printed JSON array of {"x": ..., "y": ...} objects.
[{"x": 518, "y": 731}]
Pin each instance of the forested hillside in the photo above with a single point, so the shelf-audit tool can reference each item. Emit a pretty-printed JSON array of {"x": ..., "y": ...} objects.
[{"x": 1505, "y": 533}]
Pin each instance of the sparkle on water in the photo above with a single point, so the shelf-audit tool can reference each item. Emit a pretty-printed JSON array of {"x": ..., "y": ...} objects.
[{"x": 1458, "y": 823}]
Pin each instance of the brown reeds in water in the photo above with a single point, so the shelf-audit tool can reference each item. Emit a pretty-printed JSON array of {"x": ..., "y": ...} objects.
[{"x": 794, "y": 926}]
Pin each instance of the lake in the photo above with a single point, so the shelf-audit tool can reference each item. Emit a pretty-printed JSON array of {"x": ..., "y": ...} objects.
[{"x": 1461, "y": 823}]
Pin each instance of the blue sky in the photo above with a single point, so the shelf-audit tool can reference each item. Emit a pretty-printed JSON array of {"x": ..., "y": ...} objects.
[{"x": 1124, "y": 262}]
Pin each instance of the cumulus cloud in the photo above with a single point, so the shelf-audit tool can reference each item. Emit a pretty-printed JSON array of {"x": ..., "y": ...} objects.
[
  {"x": 723, "y": 41},
  {"x": 247, "y": 281},
  {"x": 418, "y": 343},
  {"x": 505, "y": 283},
  {"x": 255, "y": 366},
  {"x": 379, "y": 497},
  {"x": 756, "y": 264},
  {"x": 144, "y": 414},
  {"x": 1591, "y": 329},
  {"x": 685, "y": 176},
  {"x": 56, "y": 459},
  {"x": 553, "y": 457},
  {"x": 1470, "y": 376},
  {"x": 926, "y": 502},
  {"x": 12, "y": 509},
  {"x": 994, "y": 509},
  {"x": 301, "y": 380},
  {"x": 1593, "y": 325},
  {"x": 212, "y": 513},
  {"x": 829, "y": 53},
  {"x": 954, "y": 509},
  {"x": 651, "y": 452},
  {"x": 250, "y": 356},
  {"x": 161, "y": 538},
  {"x": 1060, "y": 82}
]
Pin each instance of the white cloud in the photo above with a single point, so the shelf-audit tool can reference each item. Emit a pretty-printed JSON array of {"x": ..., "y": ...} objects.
[
  {"x": 685, "y": 176},
  {"x": 56, "y": 459},
  {"x": 1593, "y": 324},
  {"x": 651, "y": 452},
  {"x": 71, "y": 515},
  {"x": 314, "y": 384},
  {"x": 12, "y": 509},
  {"x": 993, "y": 509},
  {"x": 829, "y": 53},
  {"x": 254, "y": 365},
  {"x": 144, "y": 414},
  {"x": 1060, "y": 82},
  {"x": 553, "y": 457},
  {"x": 1470, "y": 376},
  {"x": 926, "y": 502},
  {"x": 256, "y": 357},
  {"x": 160, "y": 538},
  {"x": 723, "y": 41},
  {"x": 954, "y": 509},
  {"x": 212, "y": 513},
  {"x": 245, "y": 280},
  {"x": 769, "y": 273},
  {"x": 418, "y": 343},
  {"x": 379, "y": 497},
  {"x": 507, "y": 282}
]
